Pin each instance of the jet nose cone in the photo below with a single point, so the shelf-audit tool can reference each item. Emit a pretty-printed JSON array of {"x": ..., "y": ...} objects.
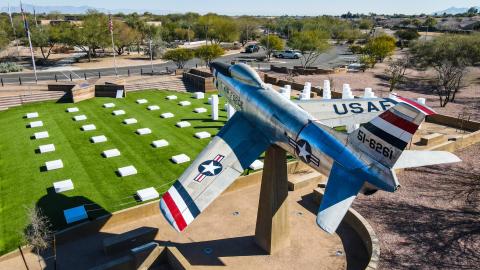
[{"x": 246, "y": 75}]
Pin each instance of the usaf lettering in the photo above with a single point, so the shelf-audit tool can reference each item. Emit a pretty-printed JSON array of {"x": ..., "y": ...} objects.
[{"x": 357, "y": 108}]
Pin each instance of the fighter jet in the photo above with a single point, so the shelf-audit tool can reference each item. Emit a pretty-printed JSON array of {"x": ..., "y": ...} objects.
[{"x": 363, "y": 161}]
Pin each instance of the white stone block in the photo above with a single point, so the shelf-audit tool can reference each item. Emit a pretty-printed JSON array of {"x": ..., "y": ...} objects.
[
  {"x": 171, "y": 97},
  {"x": 203, "y": 135},
  {"x": 210, "y": 100},
  {"x": 119, "y": 94},
  {"x": 127, "y": 171},
  {"x": 183, "y": 124},
  {"x": 199, "y": 95},
  {"x": 143, "y": 131},
  {"x": 46, "y": 148},
  {"x": 421, "y": 101},
  {"x": 147, "y": 194},
  {"x": 159, "y": 143},
  {"x": 108, "y": 105},
  {"x": 142, "y": 101},
  {"x": 36, "y": 124},
  {"x": 80, "y": 117},
  {"x": 62, "y": 186},
  {"x": 182, "y": 158},
  {"x": 118, "y": 112},
  {"x": 167, "y": 115},
  {"x": 75, "y": 214},
  {"x": 153, "y": 108},
  {"x": 89, "y": 127},
  {"x": 256, "y": 165},
  {"x": 98, "y": 139},
  {"x": 288, "y": 87},
  {"x": 184, "y": 103},
  {"x": 214, "y": 104},
  {"x": 54, "y": 164},
  {"x": 130, "y": 121},
  {"x": 200, "y": 110},
  {"x": 111, "y": 153},
  {"x": 31, "y": 115},
  {"x": 41, "y": 135},
  {"x": 73, "y": 109}
]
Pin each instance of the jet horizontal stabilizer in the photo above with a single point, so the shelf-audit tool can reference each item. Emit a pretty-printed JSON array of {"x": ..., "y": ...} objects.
[{"x": 412, "y": 158}]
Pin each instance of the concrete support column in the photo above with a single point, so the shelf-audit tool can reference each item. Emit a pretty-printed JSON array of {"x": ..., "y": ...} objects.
[{"x": 272, "y": 232}]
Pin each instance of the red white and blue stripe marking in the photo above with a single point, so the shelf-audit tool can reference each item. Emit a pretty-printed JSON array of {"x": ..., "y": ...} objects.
[
  {"x": 424, "y": 109},
  {"x": 178, "y": 207},
  {"x": 199, "y": 178}
]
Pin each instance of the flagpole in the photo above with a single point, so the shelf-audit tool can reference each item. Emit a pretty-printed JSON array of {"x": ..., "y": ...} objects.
[
  {"x": 27, "y": 30},
  {"x": 14, "y": 31},
  {"x": 110, "y": 22}
]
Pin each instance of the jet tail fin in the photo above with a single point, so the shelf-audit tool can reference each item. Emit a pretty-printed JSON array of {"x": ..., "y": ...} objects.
[{"x": 385, "y": 137}]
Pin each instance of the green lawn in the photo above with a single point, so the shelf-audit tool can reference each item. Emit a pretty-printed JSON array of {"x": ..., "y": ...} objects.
[{"x": 23, "y": 184}]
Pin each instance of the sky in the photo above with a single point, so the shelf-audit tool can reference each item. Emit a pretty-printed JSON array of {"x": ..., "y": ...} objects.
[{"x": 269, "y": 7}]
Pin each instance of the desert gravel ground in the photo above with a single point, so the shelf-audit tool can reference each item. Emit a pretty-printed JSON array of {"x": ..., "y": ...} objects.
[{"x": 433, "y": 221}]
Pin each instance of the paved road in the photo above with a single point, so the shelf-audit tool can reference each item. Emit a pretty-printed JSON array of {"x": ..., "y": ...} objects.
[{"x": 336, "y": 56}]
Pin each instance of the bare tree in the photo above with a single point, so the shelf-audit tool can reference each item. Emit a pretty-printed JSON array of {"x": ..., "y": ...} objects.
[
  {"x": 449, "y": 80},
  {"x": 396, "y": 71},
  {"x": 38, "y": 233}
]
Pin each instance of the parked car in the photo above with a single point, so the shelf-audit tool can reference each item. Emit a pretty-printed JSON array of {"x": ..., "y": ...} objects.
[
  {"x": 252, "y": 48},
  {"x": 289, "y": 54}
]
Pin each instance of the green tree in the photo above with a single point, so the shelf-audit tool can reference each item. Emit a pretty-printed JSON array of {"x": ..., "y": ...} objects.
[
  {"x": 366, "y": 24},
  {"x": 272, "y": 43},
  {"x": 449, "y": 56},
  {"x": 430, "y": 22},
  {"x": 406, "y": 35},
  {"x": 311, "y": 44},
  {"x": 123, "y": 36},
  {"x": 247, "y": 26},
  {"x": 209, "y": 52},
  {"x": 223, "y": 29},
  {"x": 184, "y": 34},
  {"x": 472, "y": 11},
  {"x": 46, "y": 37},
  {"x": 380, "y": 47},
  {"x": 92, "y": 35},
  {"x": 179, "y": 56}
]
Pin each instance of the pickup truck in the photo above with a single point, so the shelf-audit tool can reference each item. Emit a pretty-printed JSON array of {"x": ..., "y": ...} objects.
[{"x": 290, "y": 54}]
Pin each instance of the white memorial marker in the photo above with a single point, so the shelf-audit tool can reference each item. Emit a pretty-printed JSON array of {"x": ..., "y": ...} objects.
[
  {"x": 31, "y": 115},
  {"x": 327, "y": 93},
  {"x": 119, "y": 94},
  {"x": 200, "y": 110},
  {"x": 203, "y": 135},
  {"x": 46, "y": 148},
  {"x": 183, "y": 124},
  {"x": 118, "y": 112},
  {"x": 111, "y": 153},
  {"x": 167, "y": 115},
  {"x": 73, "y": 109},
  {"x": 159, "y": 143},
  {"x": 142, "y": 101},
  {"x": 108, "y": 105},
  {"x": 421, "y": 101},
  {"x": 182, "y": 158},
  {"x": 230, "y": 111},
  {"x": 214, "y": 107},
  {"x": 171, "y": 97},
  {"x": 147, "y": 194},
  {"x": 98, "y": 139},
  {"x": 62, "y": 186},
  {"x": 41, "y": 135},
  {"x": 153, "y": 108},
  {"x": 369, "y": 93},
  {"x": 54, "y": 164},
  {"x": 126, "y": 171},
  {"x": 130, "y": 121},
  {"x": 89, "y": 127},
  {"x": 256, "y": 165},
  {"x": 199, "y": 95},
  {"x": 80, "y": 117},
  {"x": 36, "y": 124},
  {"x": 143, "y": 131},
  {"x": 184, "y": 103}
]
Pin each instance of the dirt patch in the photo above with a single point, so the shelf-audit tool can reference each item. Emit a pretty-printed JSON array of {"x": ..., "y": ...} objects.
[{"x": 432, "y": 222}]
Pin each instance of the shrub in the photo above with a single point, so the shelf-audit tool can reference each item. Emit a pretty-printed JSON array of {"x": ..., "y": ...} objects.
[{"x": 10, "y": 67}]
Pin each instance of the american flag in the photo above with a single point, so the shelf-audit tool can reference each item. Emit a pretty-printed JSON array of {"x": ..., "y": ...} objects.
[{"x": 110, "y": 23}]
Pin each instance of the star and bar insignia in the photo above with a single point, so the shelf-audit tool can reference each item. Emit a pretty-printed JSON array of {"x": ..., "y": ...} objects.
[{"x": 209, "y": 168}]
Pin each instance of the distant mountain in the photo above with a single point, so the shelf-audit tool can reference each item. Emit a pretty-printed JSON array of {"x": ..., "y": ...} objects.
[
  {"x": 453, "y": 10},
  {"x": 76, "y": 10}
]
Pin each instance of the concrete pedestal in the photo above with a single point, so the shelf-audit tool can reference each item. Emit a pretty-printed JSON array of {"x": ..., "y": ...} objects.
[{"x": 272, "y": 232}]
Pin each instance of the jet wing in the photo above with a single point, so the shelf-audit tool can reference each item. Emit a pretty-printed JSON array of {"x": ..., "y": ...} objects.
[
  {"x": 413, "y": 158},
  {"x": 234, "y": 148},
  {"x": 342, "y": 188},
  {"x": 341, "y": 112}
]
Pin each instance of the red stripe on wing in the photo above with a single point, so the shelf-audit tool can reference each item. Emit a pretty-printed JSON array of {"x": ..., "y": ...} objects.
[
  {"x": 399, "y": 122},
  {"x": 176, "y": 214},
  {"x": 422, "y": 108}
]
